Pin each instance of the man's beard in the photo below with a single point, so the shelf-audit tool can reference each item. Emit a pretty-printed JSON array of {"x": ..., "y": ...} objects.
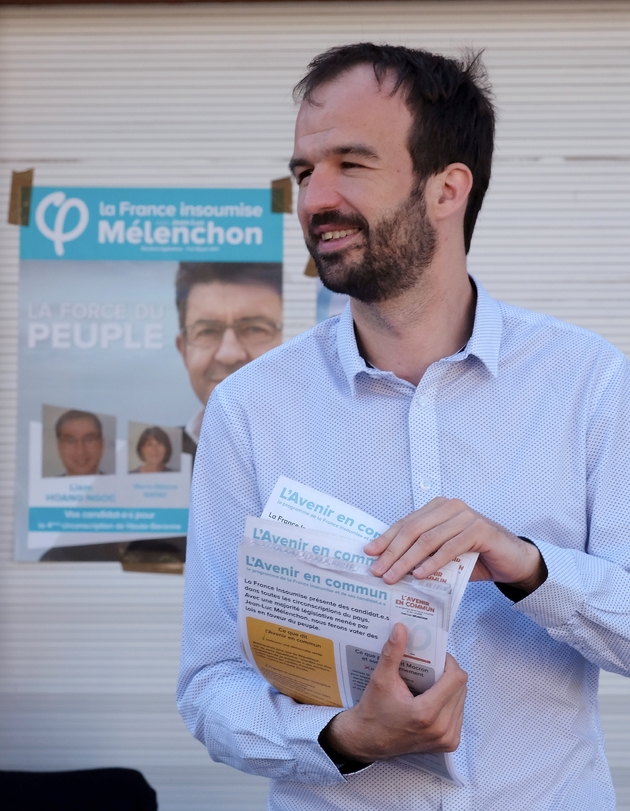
[{"x": 396, "y": 252}]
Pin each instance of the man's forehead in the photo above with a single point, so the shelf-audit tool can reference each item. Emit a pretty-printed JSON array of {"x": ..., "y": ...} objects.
[
  {"x": 357, "y": 79},
  {"x": 78, "y": 424},
  {"x": 354, "y": 102},
  {"x": 216, "y": 299}
]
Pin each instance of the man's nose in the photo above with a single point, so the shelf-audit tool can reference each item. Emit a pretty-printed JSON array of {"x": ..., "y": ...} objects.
[
  {"x": 231, "y": 351},
  {"x": 320, "y": 193}
]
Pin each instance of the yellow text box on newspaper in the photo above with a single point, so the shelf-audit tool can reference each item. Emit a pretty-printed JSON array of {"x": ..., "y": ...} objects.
[{"x": 300, "y": 665}]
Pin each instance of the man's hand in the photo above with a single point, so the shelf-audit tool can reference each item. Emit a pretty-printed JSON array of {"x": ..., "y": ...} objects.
[
  {"x": 389, "y": 720},
  {"x": 442, "y": 530}
]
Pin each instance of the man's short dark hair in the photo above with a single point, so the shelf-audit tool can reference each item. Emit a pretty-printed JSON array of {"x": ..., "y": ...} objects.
[
  {"x": 263, "y": 274},
  {"x": 449, "y": 100},
  {"x": 75, "y": 414}
]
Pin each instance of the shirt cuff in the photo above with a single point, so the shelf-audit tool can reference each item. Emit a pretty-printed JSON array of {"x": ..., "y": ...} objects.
[
  {"x": 510, "y": 591},
  {"x": 556, "y": 602},
  {"x": 308, "y": 727},
  {"x": 343, "y": 764}
]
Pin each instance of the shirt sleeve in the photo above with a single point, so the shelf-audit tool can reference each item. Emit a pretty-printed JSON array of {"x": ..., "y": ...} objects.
[
  {"x": 240, "y": 718},
  {"x": 585, "y": 600}
]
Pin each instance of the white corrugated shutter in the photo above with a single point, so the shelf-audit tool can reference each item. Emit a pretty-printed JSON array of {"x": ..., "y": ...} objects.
[{"x": 200, "y": 95}]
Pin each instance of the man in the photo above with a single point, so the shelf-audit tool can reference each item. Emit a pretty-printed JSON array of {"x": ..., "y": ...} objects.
[
  {"x": 467, "y": 424},
  {"x": 80, "y": 442},
  {"x": 229, "y": 314}
]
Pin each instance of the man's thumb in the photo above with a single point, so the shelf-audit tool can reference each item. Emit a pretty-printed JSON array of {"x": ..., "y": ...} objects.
[{"x": 393, "y": 649}]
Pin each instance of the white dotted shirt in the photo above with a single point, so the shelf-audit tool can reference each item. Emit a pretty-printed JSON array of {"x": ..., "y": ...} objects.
[{"x": 530, "y": 425}]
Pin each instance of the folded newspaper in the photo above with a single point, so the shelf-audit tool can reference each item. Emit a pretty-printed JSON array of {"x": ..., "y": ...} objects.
[{"x": 313, "y": 619}]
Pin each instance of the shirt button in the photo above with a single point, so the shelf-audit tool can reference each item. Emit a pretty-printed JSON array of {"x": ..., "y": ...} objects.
[
  {"x": 425, "y": 484},
  {"x": 423, "y": 401}
]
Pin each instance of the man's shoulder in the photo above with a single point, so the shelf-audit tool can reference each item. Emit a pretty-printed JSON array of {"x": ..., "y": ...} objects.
[
  {"x": 534, "y": 329},
  {"x": 569, "y": 357},
  {"x": 298, "y": 362}
]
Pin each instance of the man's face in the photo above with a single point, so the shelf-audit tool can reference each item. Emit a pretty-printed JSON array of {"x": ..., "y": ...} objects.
[
  {"x": 359, "y": 203},
  {"x": 227, "y": 325},
  {"x": 80, "y": 447}
]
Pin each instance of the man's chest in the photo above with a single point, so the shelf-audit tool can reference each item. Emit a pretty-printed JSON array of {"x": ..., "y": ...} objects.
[{"x": 516, "y": 458}]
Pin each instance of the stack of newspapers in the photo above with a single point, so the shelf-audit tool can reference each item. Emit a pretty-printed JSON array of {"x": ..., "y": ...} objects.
[{"x": 313, "y": 619}]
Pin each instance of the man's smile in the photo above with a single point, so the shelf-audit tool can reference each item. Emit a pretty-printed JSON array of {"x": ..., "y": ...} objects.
[
  {"x": 331, "y": 236},
  {"x": 328, "y": 235}
]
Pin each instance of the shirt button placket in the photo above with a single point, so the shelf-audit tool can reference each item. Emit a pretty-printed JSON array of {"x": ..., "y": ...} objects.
[{"x": 423, "y": 442}]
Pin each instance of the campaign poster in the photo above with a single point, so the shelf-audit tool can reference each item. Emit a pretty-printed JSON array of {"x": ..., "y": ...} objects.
[{"x": 133, "y": 305}]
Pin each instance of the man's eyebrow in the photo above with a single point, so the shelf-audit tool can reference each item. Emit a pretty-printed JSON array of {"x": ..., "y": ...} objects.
[
  {"x": 295, "y": 162},
  {"x": 360, "y": 150}
]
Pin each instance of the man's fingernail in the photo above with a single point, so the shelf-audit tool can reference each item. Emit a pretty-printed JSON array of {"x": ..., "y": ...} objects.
[{"x": 393, "y": 637}]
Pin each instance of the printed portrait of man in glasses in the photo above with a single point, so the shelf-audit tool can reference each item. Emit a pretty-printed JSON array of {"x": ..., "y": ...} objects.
[
  {"x": 80, "y": 443},
  {"x": 229, "y": 314}
]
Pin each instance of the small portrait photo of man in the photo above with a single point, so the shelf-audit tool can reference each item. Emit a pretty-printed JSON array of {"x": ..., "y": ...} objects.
[
  {"x": 154, "y": 448},
  {"x": 77, "y": 442},
  {"x": 229, "y": 314}
]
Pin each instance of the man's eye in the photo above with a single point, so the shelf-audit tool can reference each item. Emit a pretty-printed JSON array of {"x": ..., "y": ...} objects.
[
  {"x": 207, "y": 332},
  {"x": 300, "y": 176},
  {"x": 255, "y": 330}
]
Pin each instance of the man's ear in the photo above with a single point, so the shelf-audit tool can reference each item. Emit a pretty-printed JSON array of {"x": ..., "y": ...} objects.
[
  {"x": 180, "y": 343},
  {"x": 448, "y": 190}
]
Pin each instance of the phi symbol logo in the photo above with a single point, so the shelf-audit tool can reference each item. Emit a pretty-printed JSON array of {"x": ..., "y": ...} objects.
[{"x": 57, "y": 233}]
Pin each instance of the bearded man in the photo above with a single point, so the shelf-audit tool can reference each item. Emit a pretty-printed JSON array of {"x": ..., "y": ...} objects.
[{"x": 463, "y": 422}]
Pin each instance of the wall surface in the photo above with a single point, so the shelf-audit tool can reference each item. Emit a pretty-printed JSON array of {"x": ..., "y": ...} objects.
[{"x": 200, "y": 95}]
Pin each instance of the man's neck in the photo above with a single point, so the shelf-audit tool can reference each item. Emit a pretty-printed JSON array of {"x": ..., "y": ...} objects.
[{"x": 431, "y": 321}]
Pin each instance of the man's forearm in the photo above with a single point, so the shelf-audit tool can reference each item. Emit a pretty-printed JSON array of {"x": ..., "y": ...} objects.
[
  {"x": 584, "y": 602},
  {"x": 267, "y": 735}
]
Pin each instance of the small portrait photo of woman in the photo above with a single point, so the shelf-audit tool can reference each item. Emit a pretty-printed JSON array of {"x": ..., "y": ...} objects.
[{"x": 154, "y": 449}]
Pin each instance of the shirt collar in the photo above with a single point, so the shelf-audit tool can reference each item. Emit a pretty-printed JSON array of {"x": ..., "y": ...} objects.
[
  {"x": 193, "y": 426},
  {"x": 484, "y": 342}
]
